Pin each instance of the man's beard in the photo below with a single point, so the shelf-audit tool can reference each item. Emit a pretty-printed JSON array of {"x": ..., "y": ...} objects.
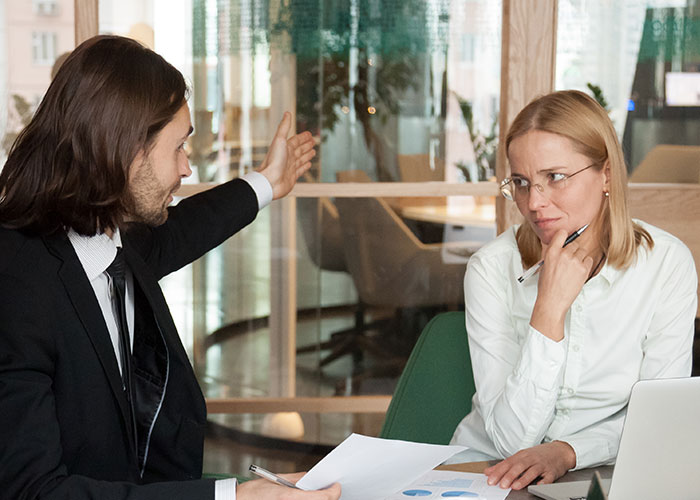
[{"x": 147, "y": 200}]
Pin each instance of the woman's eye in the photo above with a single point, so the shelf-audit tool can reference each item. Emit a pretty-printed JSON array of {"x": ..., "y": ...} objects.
[
  {"x": 556, "y": 176},
  {"x": 520, "y": 183}
]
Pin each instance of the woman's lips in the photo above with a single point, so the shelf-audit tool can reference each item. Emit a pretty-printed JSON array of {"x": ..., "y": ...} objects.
[{"x": 545, "y": 223}]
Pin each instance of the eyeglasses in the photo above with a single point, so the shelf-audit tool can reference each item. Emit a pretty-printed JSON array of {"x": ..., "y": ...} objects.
[{"x": 518, "y": 188}]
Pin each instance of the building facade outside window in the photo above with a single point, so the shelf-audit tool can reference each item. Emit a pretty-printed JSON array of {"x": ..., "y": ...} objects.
[
  {"x": 44, "y": 47},
  {"x": 46, "y": 7}
]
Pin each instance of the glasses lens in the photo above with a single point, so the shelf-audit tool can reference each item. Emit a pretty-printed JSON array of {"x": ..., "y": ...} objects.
[
  {"x": 558, "y": 184},
  {"x": 506, "y": 188}
]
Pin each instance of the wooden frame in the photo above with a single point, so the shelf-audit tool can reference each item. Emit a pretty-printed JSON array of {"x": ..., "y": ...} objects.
[
  {"x": 340, "y": 404},
  {"x": 528, "y": 56},
  {"x": 86, "y": 20},
  {"x": 354, "y": 190}
]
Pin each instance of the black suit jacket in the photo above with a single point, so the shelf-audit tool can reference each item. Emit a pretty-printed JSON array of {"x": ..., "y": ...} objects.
[{"x": 63, "y": 425}]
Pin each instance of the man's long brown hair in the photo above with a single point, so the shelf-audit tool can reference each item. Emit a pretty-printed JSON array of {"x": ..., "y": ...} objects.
[{"x": 69, "y": 168}]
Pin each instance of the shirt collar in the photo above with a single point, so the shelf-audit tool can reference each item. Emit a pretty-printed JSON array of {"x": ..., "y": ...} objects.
[
  {"x": 610, "y": 273},
  {"x": 95, "y": 253}
]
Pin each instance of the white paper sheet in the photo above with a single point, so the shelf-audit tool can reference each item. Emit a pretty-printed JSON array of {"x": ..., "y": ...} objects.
[
  {"x": 446, "y": 484},
  {"x": 370, "y": 468}
]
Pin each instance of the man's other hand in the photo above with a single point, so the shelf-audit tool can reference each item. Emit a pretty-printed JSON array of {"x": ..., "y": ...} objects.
[
  {"x": 287, "y": 159},
  {"x": 262, "y": 489}
]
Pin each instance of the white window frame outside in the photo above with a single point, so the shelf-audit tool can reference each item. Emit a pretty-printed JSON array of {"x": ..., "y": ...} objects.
[
  {"x": 44, "y": 47},
  {"x": 46, "y": 7}
]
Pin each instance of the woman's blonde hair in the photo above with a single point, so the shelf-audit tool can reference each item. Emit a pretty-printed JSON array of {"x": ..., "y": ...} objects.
[{"x": 579, "y": 118}]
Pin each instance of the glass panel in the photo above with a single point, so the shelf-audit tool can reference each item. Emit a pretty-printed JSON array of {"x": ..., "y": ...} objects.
[
  {"x": 430, "y": 70},
  {"x": 253, "y": 446},
  {"x": 414, "y": 252},
  {"x": 38, "y": 33},
  {"x": 649, "y": 81},
  {"x": 397, "y": 89},
  {"x": 404, "y": 259},
  {"x": 370, "y": 273}
]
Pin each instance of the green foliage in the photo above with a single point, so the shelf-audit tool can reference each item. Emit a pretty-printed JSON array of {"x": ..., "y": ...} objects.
[
  {"x": 485, "y": 146},
  {"x": 385, "y": 27},
  {"x": 598, "y": 96},
  {"x": 388, "y": 40}
]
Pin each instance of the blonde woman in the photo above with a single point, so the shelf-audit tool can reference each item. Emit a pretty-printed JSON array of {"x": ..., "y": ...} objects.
[{"x": 555, "y": 356}]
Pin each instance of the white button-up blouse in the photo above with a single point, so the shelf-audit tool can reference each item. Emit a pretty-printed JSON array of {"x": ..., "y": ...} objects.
[{"x": 625, "y": 325}]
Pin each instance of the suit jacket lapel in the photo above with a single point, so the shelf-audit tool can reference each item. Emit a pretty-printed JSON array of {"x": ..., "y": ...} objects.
[{"x": 88, "y": 310}]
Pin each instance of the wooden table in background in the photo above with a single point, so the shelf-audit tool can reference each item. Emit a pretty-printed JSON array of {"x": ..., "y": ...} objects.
[
  {"x": 477, "y": 215},
  {"x": 478, "y": 212}
]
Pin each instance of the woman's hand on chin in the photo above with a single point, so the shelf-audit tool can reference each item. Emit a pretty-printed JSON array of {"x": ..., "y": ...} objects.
[{"x": 565, "y": 271}]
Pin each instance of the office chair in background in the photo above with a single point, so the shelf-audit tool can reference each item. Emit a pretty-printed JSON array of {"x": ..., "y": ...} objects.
[
  {"x": 392, "y": 270},
  {"x": 320, "y": 227}
]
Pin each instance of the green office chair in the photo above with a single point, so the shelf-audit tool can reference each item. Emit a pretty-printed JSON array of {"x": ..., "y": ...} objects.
[{"x": 435, "y": 390}]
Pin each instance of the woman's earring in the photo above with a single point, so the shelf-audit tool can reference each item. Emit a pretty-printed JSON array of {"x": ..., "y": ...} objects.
[{"x": 606, "y": 194}]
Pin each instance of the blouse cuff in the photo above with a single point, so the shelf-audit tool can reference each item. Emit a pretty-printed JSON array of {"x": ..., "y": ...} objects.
[{"x": 591, "y": 451}]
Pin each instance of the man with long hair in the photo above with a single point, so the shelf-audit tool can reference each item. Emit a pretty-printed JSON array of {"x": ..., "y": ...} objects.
[{"x": 97, "y": 396}]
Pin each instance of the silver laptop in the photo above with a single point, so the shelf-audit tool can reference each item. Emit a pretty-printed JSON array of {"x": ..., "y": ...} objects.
[{"x": 659, "y": 455}]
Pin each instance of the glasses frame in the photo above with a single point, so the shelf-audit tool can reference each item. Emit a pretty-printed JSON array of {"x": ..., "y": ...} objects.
[{"x": 506, "y": 193}]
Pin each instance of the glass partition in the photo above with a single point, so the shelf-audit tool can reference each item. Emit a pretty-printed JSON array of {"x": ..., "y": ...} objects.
[
  {"x": 371, "y": 272},
  {"x": 394, "y": 92},
  {"x": 641, "y": 59},
  {"x": 392, "y": 88}
]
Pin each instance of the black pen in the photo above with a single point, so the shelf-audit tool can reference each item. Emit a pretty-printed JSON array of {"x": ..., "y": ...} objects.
[
  {"x": 537, "y": 266},
  {"x": 266, "y": 474}
]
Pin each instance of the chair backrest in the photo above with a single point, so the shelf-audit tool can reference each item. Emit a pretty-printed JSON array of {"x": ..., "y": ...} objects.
[
  {"x": 417, "y": 168},
  {"x": 389, "y": 265},
  {"x": 381, "y": 252},
  {"x": 435, "y": 390},
  {"x": 669, "y": 163},
  {"x": 320, "y": 227}
]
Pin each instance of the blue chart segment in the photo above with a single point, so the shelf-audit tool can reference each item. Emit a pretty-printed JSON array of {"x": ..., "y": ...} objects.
[
  {"x": 417, "y": 493},
  {"x": 469, "y": 494}
]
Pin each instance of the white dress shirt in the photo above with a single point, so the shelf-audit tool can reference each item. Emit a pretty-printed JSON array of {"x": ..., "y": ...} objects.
[
  {"x": 625, "y": 325},
  {"x": 97, "y": 252}
]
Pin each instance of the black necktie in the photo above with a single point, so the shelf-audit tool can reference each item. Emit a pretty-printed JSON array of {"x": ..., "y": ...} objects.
[{"x": 117, "y": 271}]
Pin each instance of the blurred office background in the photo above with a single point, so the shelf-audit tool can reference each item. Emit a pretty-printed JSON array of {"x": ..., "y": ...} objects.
[{"x": 298, "y": 327}]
